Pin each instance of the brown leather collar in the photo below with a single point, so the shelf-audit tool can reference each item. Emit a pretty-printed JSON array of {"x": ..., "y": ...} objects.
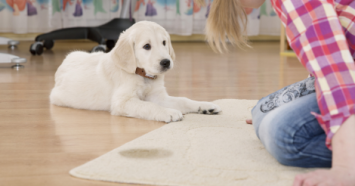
[{"x": 141, "y": 72}]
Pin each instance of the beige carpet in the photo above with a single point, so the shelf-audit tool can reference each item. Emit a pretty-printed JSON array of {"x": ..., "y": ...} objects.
[{"x": 201, "y": 150}]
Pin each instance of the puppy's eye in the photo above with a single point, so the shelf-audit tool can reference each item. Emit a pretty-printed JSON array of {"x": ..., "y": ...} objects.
[
  {"x": 164, "y": 43},
  {"x": 147, "y": 47}
]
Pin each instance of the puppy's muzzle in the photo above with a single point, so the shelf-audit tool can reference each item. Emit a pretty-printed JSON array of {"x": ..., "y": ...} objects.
[{"x": 165, "y": 64}]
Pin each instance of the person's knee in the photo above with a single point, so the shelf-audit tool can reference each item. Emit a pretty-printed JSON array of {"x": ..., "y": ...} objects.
[
  {"x": 290, "y": 141},
  {"x": 280, "y": 144},
  {"x": 276, "y": 132}
]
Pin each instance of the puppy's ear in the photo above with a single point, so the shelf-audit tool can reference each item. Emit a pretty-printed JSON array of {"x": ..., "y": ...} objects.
[
  {"x": 123, "y": 53},
  {"x": 171, "y": 50}
]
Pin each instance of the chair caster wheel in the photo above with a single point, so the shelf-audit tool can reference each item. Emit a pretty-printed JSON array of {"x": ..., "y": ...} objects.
[
  {"x": 36, "y": 48},
  {"x": 110, "y": 44},
  {"x": 18, "y": 62},
  {"x": 48, "y": 44},
  {"x": 99, "y": 48}
]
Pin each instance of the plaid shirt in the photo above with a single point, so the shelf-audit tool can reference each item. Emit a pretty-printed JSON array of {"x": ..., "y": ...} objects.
[{"x": 322, "y": 34}]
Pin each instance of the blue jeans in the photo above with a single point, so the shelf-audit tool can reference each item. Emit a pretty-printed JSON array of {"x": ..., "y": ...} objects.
[{"x": 288, "y": 130}]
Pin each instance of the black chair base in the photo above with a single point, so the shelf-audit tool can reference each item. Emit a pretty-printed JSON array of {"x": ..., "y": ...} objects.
[{"x": 105, "y": 35}]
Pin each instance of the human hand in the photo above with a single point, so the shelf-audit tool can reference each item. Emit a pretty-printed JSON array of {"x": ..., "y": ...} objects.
[{"x": 341, "y": 176}]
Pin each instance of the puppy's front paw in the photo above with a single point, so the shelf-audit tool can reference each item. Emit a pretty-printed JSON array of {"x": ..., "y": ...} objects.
[
  {"x": 170, "y": 115},
  {"x": 209, "y": 108}
]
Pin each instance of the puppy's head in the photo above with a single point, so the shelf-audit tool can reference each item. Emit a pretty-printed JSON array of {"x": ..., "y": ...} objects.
[{"x": 145, "y": 45}]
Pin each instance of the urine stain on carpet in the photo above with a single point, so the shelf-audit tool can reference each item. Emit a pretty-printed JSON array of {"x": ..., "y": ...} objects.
[{"x": 146, "y": 153}]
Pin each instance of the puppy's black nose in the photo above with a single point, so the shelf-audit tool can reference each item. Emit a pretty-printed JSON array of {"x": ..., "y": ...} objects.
[{"x": 165, "y": 63}]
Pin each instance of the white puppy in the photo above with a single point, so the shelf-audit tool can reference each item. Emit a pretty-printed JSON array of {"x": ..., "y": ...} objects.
[{"x": 128, "y": 81}]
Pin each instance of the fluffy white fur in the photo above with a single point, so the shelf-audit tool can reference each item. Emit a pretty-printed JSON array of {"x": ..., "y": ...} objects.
[{"x": 107, "y": 81}]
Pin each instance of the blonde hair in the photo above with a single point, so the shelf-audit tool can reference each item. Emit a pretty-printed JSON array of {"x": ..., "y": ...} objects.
[{"x": 227, "y": 20}]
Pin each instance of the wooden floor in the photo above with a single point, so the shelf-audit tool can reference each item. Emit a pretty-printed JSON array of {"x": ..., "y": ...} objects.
[{"x": 40, "y": 143}]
